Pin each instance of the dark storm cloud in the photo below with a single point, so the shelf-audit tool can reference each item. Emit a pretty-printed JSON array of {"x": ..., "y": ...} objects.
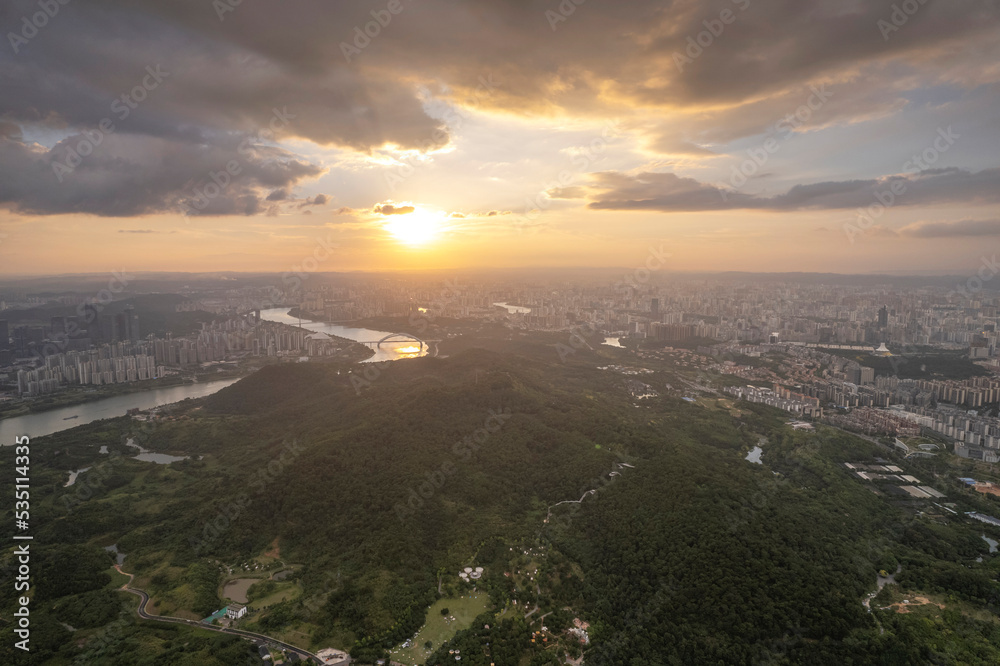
[
  {"x": 220, "y": 79},
  {"x": 130, "y": 175},
  {"x": 668, "y": 192},
  {"x": 230, "y": 70},
  {"x": 770, "y": 45}
]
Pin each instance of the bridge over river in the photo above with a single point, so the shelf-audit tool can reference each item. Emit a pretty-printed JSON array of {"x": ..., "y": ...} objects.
[{"x": 398, "y": 337}]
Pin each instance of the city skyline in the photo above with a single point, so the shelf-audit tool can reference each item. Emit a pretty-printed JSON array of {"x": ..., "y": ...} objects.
[
  {"x": 506, "y": 332},
  {"x": 414, "y": 136}
]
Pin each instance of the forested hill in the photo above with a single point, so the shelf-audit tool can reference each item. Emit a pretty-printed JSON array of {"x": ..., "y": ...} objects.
[
  {"x": 377, "y": 494},
  {"x": 413, "y": 474}
]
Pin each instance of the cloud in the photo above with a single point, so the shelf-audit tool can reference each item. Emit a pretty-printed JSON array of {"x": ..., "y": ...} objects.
[
  {"x": 227, "y": 77},
  {"x": 392, "y": 209},
  {"x": 10, "y": 131},
  {"x": 136, "y": 231},
  {"x": 666, "y": 142},
  {"x": 318, "y": 200},
  {"x": 959, "y": 229},
  {"x": 131, "y": 175},
  {"x": 575, "y": 192},
  {"x": 220, "y": 78},
  {"x": 659, "y": 191},
  {"x": 476, "y": 215},
  {"x": 668, "y": 192}
]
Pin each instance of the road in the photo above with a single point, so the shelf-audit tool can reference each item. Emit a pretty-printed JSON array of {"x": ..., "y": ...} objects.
[
  {"x": 144, "y": 599},
  {"x": 867, "y": 438}
]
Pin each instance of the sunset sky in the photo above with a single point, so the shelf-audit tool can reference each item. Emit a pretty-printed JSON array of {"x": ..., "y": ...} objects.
[{"x": 195, "y": 136}]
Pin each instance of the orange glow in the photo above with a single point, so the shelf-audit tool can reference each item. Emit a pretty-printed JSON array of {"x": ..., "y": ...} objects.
[{"x": 415, "y": 229}]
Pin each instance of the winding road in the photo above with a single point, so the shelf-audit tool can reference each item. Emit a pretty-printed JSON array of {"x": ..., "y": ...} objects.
[{"x": 144, "y": 599}]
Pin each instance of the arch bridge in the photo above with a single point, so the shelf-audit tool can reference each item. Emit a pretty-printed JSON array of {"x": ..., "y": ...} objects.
[{"x": 397, "y": 337}]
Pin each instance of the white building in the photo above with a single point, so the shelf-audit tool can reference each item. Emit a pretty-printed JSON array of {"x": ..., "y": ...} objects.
[{"x": 235, "y": 611}]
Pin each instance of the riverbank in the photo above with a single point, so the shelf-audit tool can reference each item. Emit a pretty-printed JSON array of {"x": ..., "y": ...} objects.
[
  {"x": 72, "y": 396},
  {"x": 66, "y": 417},
  {"x": 363, "y": 351},
  {"x": 358, "y": 338},
  {"x": 299, "y": 313}
]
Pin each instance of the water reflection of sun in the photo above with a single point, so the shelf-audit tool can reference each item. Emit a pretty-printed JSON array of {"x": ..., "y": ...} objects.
[{"x": 412, "y": 350}]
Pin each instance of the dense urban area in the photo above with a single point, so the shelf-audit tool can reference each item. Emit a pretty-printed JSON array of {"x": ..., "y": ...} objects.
[
  {"x": 547, "y": 437},
  {"x": 875, "y": 359}
]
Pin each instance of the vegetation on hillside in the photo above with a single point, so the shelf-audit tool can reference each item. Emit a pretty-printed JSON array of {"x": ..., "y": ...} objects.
[{"x": 679, "y": 552}]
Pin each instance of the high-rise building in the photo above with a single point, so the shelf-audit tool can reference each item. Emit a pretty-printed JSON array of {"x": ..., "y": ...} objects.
[
  {"x": 126, "y": 326},
  {"x": 58, "y": 326},
  {"x": 654, "y": 306},
  {"x": 4, "y": 335},
  {"x": 106, "y": 328},
  {"x": 130, "y": 332},
  {"x": 133, "y": 326},
  {"x": 89, "y": 313},
  {"x": 883, "y": 316}
]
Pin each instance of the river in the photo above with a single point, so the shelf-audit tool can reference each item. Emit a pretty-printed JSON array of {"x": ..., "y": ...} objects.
[
  {"x": 388, "y": 351},
  {"x": 56, "y": 420},
  {"x": 513, "y": 309}
]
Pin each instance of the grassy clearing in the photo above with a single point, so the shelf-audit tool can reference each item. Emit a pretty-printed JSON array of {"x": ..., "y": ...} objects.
[
  {"x": 932, "y": 604},
  {"x": 281, "y": 592},
  {"x": 438, "y": 628}
]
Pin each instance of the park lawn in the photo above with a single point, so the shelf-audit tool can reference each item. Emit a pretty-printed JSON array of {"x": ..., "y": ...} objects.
[{"x": 437, "y": 630}]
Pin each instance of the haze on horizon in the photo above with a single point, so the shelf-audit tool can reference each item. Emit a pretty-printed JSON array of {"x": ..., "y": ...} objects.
[{"x": 738, "y": 135}]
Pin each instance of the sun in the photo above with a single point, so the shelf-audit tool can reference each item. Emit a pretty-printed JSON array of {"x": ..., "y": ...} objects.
[{"x": 417, "y": 228}]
